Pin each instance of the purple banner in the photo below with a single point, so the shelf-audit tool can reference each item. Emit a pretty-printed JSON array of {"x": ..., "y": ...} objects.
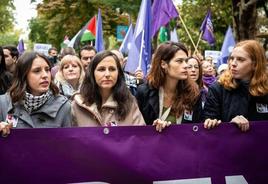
[{"x": 182, "y": 154}]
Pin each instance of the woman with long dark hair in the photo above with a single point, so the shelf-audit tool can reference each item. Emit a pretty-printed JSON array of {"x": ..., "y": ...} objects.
[
  {"x": 5, "y": 76},
  {"x": 33, "y": 100},
  {"x": 104, "y": 99},
  {"x": 169, "y": 96}
]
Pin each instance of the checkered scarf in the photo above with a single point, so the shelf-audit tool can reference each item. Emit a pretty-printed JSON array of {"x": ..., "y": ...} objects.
[{"x": 32, "y": 102}]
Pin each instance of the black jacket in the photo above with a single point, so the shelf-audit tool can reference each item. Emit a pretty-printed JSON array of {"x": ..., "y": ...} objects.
[
  {"x": 5, "y": 81},
  {"x": 223, "y": 104},
  {"x": 148, "y": 102}
]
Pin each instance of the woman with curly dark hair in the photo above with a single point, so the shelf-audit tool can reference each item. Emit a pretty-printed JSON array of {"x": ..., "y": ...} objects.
[
  {"x": 169, "y": 96},
  {"x": 104, "y": 99}
]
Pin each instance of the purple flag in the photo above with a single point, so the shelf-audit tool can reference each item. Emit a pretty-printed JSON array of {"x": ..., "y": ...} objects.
[
  {"x": 162, "y": 11},
  {"x": 126, "y": 44},
  {"x": 20, "y": 47},
  {"x": 227, "y": 46},
  {"x": 207, "y": 29},
  {"x": 180, "y": 154},
  {"x": 139, "y": 57},
  {"x": 99, "y": 34}
]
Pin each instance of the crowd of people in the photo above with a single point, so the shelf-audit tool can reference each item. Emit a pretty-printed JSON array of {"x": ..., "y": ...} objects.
[{"x": 92, "y": 89}]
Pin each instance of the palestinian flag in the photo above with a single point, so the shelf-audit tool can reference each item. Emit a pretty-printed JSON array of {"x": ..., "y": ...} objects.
[
  {"x": 87, "y": 33},
  {"x": 65, "y": 42}
]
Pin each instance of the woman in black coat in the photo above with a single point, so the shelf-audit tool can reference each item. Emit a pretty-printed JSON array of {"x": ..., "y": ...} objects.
[
  {"x": 170, "y": 96},
  {"x": 241, "y": 93}
]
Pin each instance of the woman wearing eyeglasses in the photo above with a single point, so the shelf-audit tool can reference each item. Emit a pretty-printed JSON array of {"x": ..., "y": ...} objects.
[
  {"x": 195, "y": 73},
  {"x": 169, "y": 97}
]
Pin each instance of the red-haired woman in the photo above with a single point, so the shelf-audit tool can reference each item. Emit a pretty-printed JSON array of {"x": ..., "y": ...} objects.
[{"x": 241, "y": 93}]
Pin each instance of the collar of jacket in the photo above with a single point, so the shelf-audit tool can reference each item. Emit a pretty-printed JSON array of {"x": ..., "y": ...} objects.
[
  {"x": 93, "y": 109},
  {"x": 50, "y": 108}
]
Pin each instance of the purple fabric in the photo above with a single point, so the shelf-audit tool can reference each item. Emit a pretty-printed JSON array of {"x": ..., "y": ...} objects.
[
  {"x": 162, "y": 12},
  {"x": 126, "y": 44},
  {"x": 208, "y": 80},
  {"x": 20, "y": 47},
  {"x": 139, "y": 55},
  {"x": 99, "y": 35},
  {"x": 207, "y": 29},
  {"x": 227, "y": 46},
  {"x": 134, "y": 154}
]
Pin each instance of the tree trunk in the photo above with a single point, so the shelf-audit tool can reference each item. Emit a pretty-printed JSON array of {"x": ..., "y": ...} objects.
[{"x": 244, "y": 19}]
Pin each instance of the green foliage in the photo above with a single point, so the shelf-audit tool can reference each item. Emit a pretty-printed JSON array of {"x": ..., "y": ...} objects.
[
  {"x": 57, "y": 18},
  {"x": 38, "y": 33},
  {"x": 124, "y": 6},
  {"x": 193, "y": 13},
  {"x": 6, "y": 14},
  {"x": 10, "y": 38}
]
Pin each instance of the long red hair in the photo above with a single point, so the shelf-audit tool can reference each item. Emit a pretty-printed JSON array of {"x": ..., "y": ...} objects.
[{"x": 259, "y": 81}]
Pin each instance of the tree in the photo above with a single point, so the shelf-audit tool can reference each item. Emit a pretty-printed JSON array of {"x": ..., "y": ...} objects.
[
  {"x": 245, "y": 16},
  {"x": 193, "y": 13},
  {"x": 7, "y": 18},
  {"x": 38, "y": 33},
  {"x": 66, "y": 17},
  {"x": 10, "y": 38}
]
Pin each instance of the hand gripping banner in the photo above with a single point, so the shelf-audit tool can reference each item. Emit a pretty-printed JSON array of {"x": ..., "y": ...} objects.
[{"x": 181, "y": 154}]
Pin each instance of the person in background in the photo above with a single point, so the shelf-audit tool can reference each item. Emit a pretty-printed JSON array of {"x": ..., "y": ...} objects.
[
  {"x": 195, "y": 73},
  {"x": 132, "y": 81},
  {"x": 104, "y": 99},
  {"x": 70, "y": 75},
  {"x": 241, "y": 93},
  {"x": 5, "y": 76},
  {"x": 65, "y": 51},
  {"x": 86, "y": 55},
  {"x": 221, "y": 69},
  {"x": 169, "y": 95},
  {"x": 209, "y": 59},
  {"x": 33, "y": 100},
  {"x": 11, "y": 56},
  {"x": 208, "y": 74},
  {"x": 53, "y": 55}
]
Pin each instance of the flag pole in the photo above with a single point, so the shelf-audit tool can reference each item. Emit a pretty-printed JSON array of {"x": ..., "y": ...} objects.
[
  {"x": 141, "y": 49},
  {"x": 198, "y": 41},
  {"x": 187, "y": 31}
]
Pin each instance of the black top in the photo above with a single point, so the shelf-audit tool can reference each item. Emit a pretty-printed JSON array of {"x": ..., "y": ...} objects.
[
  {"x": 223, "y": 104},
  {"x": 5, "y": 81},
  {"x": 148, "y": 102}
]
